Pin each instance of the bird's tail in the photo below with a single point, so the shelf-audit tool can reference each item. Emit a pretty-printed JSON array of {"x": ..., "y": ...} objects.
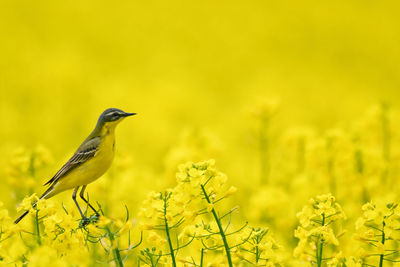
[
  {"x": 22, "y": 216},
  {"x": 44, "y": 196}
]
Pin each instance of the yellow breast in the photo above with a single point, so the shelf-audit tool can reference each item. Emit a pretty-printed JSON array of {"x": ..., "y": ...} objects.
[{"x": 92, "y": 169}]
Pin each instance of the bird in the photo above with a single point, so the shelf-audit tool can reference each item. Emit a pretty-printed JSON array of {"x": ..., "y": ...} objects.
[{"x": 89, "y": 162}]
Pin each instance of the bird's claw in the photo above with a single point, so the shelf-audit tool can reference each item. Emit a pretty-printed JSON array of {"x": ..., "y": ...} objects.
[{"x": 85, "y": 221}]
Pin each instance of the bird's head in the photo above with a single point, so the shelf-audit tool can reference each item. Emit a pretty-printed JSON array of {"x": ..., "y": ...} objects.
[{"x": 112, "y": 116}]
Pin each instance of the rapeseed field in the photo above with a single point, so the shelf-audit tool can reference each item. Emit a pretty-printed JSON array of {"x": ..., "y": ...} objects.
[{"x": 267, "y": 133}]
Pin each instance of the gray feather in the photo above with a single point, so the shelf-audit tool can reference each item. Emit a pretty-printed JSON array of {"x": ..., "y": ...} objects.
[{"x": 85, "y": 152}]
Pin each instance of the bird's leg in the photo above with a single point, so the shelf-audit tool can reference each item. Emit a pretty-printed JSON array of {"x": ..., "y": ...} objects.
[
  {"x": 82, "y": 195},
  {"x": 85, "y": 219}
]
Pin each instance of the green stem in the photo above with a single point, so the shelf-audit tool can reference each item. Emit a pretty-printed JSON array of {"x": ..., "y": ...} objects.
[
  {"x": 257, "y": 254},
  {"x": 117, "y": 255},
  {"x": 202, "y": 257},
  {"x": 383, "y": 242},
  {"x": 171, "y": 249},
  {"x": 319, "y": 259},
  {"x": 321, "y": 245},
  {"x": 151, "y": 259},
  {"x": 221, "y": 230},
  {"x": 37, "y": 228}
]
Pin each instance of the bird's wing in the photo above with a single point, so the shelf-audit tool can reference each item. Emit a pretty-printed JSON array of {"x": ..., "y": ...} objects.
[{"x": 85, "y": 152}]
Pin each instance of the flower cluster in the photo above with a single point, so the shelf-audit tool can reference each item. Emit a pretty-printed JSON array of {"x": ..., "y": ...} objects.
[
  {"x": 57, "y": 232},
  {"x": 187, "y": 218},
  {"x": 379, "y": 231},
  {"x": 316, "y": 232},
  {"x": 191, "y": 218},
  {"x": 260, "y": 248},
  {"x": 23, "y": 166},
  {"x": 161, "y": 213}
]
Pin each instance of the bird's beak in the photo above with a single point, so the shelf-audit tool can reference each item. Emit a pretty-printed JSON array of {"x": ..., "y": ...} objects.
[{"x": 128, "y": 114}]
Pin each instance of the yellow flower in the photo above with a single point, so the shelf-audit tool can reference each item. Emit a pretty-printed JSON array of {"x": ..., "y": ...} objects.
[
  {"x": 380, "y": 248},
  {"x": 146, "y": 226},
  {"x": 190, "y": 215},
  {"x": 155, "y": 240},
  {"x": 209, "y": 207},
  {"x": 315, "y": 228},
  {"x": 362, "y": 253},
  {"x": 28, "y": 202},
  {"x": 46, "y": 207},
  {"x": 187, "y": 233},
  {"x": 3, "y": 214},
  {"x": 42, "y": 156},
  {"x": 46, "y": 256},
  {"x": 51, "y": 223},
  {"x": 353, "y": 262},
  {"x": 369, "y": 212},
  {"x": 305, "y": 216},
  {"x": 125, "y": 227},
  {"x": 94, "y": 230},
  {"x": 103, "y": 221},
  {"x": 230, "y": 191}
]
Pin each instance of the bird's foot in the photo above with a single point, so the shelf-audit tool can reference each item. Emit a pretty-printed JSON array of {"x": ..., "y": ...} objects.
[
  {"x": 88, "y": 220},
  {"x": 94, "y": 218},
  {"x": 85, "y": 221}
]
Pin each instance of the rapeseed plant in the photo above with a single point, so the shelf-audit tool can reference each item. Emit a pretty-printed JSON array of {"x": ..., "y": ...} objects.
[
  {"x": 378, "y": 229},
  {"x": 263, "y": 113},
  {"x": 274, "y": 91},
  {"x": 161, "y": 213},
  {"x": 67, "y": 241},
  {"x": 318, "y": 239},
  {"x": 203, "y": 219},
  {"x": 23, "y": 167}
]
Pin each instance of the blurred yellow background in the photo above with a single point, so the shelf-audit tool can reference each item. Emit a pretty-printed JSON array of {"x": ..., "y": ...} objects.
[
  {"x": 180, "y": 63},
  {"x": 189, "y": 69}
]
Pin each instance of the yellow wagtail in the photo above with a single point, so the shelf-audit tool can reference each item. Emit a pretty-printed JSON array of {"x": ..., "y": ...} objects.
[{"x": 90, "y": 161}]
